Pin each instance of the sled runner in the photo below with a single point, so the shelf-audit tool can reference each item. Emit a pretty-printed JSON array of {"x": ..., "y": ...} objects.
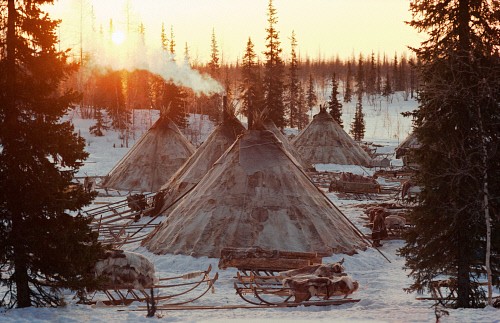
[{"x": 176, "y": 290}]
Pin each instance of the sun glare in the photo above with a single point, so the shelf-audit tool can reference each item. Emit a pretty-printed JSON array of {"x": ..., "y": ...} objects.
[{"x": 118, "y": 37}]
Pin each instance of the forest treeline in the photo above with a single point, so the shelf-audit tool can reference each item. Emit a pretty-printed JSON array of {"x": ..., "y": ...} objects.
[
  {"x": 257, "y": 84},
  {"x": 118, "y": 92}
]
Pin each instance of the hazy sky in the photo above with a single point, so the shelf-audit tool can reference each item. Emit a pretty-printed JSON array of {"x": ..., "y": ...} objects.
[{"x": 322, "y": 27}]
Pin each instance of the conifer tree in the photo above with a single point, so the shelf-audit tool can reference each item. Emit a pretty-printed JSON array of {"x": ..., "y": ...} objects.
[
  {"x": 403, "y": 66},
  {"x": 456, "y": 125},
  {"x": 301, "y": 108},
  {"x": 172, "y": 44},
  {"x": 311, "y": 97},
  {"x": 360, "y": 77},
  {"x": 371, "y": 76},
  {"x": 249, "y": 83},
  {"x": 214, "y": 65},
  {"x": 100, "y": 125},
  {"x": 358, "y": 123},
  {"x": 334, "y": 104},
  {"x": 387, "y": 90},
  {"x": 293, "y": 85},
  {"x": 348, "y": 85},
  {"x": 174, "y": 104},
  {"x": 186, "y": 54},
  {"x": 273, "y": 72},
  {"x": 378, "y": 78},
  {"x": 164, "y": 39},
  {"x": 40, "y": 242},
  {"x": 396, "y": 84}
]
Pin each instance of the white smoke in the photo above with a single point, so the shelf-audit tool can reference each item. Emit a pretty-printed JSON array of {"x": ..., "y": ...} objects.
[{"x": 134, "y": 54}]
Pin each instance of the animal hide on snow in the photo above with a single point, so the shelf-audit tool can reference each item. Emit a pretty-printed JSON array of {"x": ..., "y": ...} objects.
[{"x": 126, "y": 270}]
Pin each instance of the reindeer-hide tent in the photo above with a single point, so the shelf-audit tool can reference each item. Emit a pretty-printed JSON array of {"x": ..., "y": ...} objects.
[
  {"x": 154, "y": 158},
  {"x": 255, "y": 195},
  {"x": 269, "y": 125},
  {"x": 324, "y": 141},
  {"x": 410, "y": 142},
  {"x": 197, "y": 166}
]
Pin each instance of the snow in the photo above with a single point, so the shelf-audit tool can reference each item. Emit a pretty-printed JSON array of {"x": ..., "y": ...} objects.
[{"x": 381, "y": 283}]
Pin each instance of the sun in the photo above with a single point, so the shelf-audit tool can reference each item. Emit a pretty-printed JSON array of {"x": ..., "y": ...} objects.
[{"x": 118, "y": 37}]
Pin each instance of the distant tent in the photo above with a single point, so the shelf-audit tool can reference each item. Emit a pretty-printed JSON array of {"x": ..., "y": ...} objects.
[
  {"x": 269, "y": 125},
  {"x": 324, "y": 141},
  {"x": 154, "y": 158},
  {"x": 402, "y": 151},
  {"x": 255, "y": 195},
  {"x": 406, "y": 145},
  {"x": 200, "y": 162}
]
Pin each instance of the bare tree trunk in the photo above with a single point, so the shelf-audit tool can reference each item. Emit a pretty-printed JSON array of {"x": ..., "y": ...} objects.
[{"x": 486, "y": 207}]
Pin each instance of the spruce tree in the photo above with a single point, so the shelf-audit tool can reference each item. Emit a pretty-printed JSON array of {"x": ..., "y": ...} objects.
[
  {"x": 371, "y": 76},
  {"x": 293, "y": 85},
  {"x": 358, "y": 123},
  {"x": 41, "y": 244},
  {"x": 186, "y": 54},
  {"x": 334, "y": 104},
  {"x": 311, "y": 96},
  {"x": 100, "y": 125},
  {"x": 378, "y": 79},
  {"x": 360, "y": 77},
  {"x": 387, "y": 90},
  {"x": 348, "y": 85},
  {"x": 301, "y": 108},
  {"x": 214, "y": 65},
  {"x": 273, "y": 73},
  {"x": 457, "y": 127},
  {"x": 171, "y": 44},
  {"x": 174, "y": 104},
  {"x": 249, "y": 83},
  {"x": 396, "y": 83},
  {"x": 163, "y": 38}
]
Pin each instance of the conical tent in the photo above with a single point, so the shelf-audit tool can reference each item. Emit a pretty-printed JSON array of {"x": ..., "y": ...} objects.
[
  {"x": 154, "y": 158},
  {"x": 324, "y": 141},
  {"x": 255, "y": 195},
  {"x": 269, "y": 125},
  {"x": 197, "y": 166},
  {"x": 411, "y": 142}
]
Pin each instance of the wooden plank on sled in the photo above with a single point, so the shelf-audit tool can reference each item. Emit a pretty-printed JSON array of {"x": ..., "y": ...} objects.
[{"x": 262, "y": 259}]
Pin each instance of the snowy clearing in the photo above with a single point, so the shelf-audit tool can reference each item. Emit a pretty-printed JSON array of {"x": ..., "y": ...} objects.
[{"x": 381, "y": 294}]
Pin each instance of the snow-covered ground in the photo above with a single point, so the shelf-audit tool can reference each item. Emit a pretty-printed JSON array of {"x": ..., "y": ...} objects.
[{"x": 381, "y": 281}]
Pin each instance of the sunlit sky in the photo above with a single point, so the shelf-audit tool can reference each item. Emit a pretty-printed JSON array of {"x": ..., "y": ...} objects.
[{"x": 323, "y": 28}]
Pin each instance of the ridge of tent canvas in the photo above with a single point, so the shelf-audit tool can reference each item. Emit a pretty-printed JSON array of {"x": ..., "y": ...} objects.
[
  {"x": 193, "y": 170},
  {"x": 269, "y": 125},
  {"x": 255, "y": 195},
  {"x": 323, "y": 141},
  {"x": 159, "y": 153}
]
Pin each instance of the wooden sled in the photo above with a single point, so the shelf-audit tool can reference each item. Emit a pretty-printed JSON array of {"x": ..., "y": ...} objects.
[
  {"x": 175, "y": 290},
  {"x": 259, "y": 281},
  {"x": 444, "y": 292},
  {"x": 269, "y": 290}
]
